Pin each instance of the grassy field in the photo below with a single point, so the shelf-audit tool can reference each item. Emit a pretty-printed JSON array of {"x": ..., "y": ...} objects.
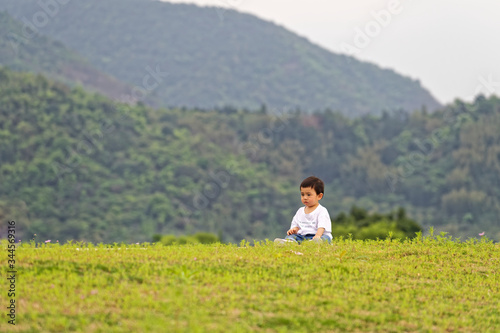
[{"x": 430, "y": 284}]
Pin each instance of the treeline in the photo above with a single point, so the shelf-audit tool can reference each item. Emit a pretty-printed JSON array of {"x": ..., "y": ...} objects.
[{"x": 76, "y": 165}]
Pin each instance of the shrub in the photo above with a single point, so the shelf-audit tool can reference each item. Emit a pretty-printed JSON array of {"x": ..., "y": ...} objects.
[
  {"x": 201, "y": 238},
  {"x": 362, "y": 225},
  {"x": 206, "y": 238}
]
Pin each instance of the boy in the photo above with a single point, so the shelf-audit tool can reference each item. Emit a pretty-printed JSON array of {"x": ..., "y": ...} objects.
[{"x": 311, "y": 222}]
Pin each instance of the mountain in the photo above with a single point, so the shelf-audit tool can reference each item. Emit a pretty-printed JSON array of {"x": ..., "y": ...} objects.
[
  {"x": 76, "y": 165},
  {"x": 23, "y": 50},
  {"x": 201, "y": 57}
]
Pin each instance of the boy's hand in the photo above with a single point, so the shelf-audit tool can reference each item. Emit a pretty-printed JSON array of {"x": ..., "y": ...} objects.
[
  {"x": 319, "y": 233},
  {"x": 293, "y": 231}
]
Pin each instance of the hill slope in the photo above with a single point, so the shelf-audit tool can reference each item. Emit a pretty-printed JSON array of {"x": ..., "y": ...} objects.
[
  {"x": 239, "y": 60},
  {"x": 22, "y": 51},
  {"x": 78, "y": 166}
]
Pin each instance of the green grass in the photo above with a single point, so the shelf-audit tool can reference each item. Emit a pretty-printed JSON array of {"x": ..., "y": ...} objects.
[{"x": 434, "y": 284}]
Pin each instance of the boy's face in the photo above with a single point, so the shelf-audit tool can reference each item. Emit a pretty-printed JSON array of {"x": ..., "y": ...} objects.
[{"x": 309, "y": 197}]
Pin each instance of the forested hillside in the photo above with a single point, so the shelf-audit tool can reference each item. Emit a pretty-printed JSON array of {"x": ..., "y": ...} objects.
[
  {"x": 76, "y": 165},
  {"x": 22, "y": 49},
  {"x": 203, "y": 57},
  {"x": 443, "y": 167}
]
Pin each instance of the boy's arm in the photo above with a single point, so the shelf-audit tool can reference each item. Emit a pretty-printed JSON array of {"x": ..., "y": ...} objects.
[
  {"x": 294, "y": 227},
  {"x": 324, "y": 223},
  {"x": 319, "y": 233}
]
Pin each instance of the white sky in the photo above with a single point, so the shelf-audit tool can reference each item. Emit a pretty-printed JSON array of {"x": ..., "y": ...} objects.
[{"x": 451, "y": 46}]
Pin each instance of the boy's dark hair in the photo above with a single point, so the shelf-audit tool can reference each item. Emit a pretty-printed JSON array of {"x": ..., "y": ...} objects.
[{"x": 314, "y": 182}]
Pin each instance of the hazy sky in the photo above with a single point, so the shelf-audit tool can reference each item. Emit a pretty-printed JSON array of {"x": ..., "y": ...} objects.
[{"x": 451, "y": 46}]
